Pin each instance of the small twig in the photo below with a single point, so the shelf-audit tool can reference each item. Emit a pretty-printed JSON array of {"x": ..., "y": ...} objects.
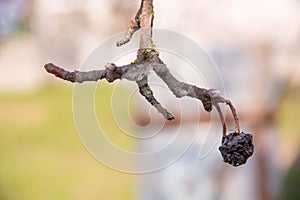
[
  {"x": 146, "y": 91},
  {"x": 181, "y": 89},
  {"x": 146, "y": 22},
  {"x": 111, "y": 73},
  {"x": 133, "y": 26}
]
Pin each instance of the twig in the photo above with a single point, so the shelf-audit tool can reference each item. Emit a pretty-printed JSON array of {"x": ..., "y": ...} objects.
[
  {"x": 146, "y": 91},
  {"x": 181, "y": 89},
  {"x": 110, "y": 74},
  {"x": 133, "y": 26},
  {"x": 147, "y": 60},
  {"x": 146, "y": 21},
  {"x": 143, "y": 20}
]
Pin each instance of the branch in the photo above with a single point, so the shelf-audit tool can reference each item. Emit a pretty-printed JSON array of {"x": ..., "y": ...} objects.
[
  {"x": 133, "y": 26},
  {"x": 139, "y": 74},
  {"x": 146, "y": 21},
  {"x": 143, "y": 20},
  {"x": 131, "y": 72},
  {"x": 181, "y": 89},
  {"x": 146, "y": 91},
  {"x": 147, "y": 60},
  {"x": 235, "y": 150},
  {"x": 111, "y": 73}
]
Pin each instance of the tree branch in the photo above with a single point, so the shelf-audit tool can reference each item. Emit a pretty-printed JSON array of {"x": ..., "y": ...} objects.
[
  {"x": 146, "y": 91},
  {"x": 146, "y": 21},
  {"x": 138, "y": 72},
  {"x": 147, "y": 60},
  {"x": 133, "y": 26},
  {"x": 111, "y": 73},
  {"x": 235, "y": 150},
  {"x": 181, "y": 89}
]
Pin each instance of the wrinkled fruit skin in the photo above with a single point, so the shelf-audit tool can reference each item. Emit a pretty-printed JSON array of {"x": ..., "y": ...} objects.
[{"x": 236, "y": 148}]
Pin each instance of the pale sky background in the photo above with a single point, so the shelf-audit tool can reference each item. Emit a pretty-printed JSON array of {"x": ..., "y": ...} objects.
[{"x": 66, "y": 32}]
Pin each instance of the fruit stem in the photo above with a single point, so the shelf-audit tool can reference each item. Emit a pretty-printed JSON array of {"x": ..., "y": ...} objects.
[
  {"x": 221, "y": 118},
  {"x": 233, "y": 111}
]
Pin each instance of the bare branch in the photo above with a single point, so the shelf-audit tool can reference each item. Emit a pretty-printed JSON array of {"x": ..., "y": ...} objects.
[
  {"x": 181, "y": 89},
  {"x": 146, "y": 22},
  {"x": 111, "y": 73},
  {"x": 138, "y": 72},
  {"x": 131, "y": 72},
  {"x": 133, "y": 26},
  {"x": 146, "y": 91},
  {"x": 147, "y": 60}
]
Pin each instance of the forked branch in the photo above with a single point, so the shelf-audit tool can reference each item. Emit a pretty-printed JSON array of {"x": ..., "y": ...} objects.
[{"x": 147, "y": 59}]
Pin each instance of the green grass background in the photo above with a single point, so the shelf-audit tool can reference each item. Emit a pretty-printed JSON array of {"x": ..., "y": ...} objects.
[{"x": 41, "y": 156}]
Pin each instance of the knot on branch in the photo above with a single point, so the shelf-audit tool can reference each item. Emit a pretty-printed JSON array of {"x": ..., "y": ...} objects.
[
  {"x": 112, "y": 72},
  {"x": 205, "y": 97}
]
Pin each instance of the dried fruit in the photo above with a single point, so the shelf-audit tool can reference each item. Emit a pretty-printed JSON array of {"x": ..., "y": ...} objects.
[{"x": 236, "y": 148}]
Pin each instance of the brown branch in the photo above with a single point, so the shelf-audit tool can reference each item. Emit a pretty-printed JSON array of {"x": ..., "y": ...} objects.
[
  {"x": 146, "y": 91},
  {"x": 131, "y": 72},
  {"x": 234, "y": 150},
  {"x": 138, "y": 72},
  {"x": 111, "y": 73},
  {"x": 147, "y": 60},
  {"x": 143, "y": 20},
  {"x": 133, "y": 26},
  {"x": 181, "y": 89},
  {"x": 146, "y": 22}
]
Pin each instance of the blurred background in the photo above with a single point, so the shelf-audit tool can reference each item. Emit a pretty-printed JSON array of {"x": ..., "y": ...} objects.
[{"x": 255, "y": 44}]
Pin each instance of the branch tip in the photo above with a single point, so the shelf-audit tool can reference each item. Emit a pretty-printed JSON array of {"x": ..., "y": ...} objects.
[{"x": 146, "y": 91}]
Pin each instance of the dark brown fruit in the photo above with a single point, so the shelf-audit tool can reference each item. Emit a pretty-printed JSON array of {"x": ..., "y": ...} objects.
[{"x": 236, "y": 148}]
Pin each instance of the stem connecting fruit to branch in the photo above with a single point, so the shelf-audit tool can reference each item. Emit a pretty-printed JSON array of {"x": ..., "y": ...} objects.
[{"x": 236, "y": 147}]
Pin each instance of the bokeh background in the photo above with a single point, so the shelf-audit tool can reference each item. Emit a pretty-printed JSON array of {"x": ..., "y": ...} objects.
[{"x": 256, "y": 45}]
